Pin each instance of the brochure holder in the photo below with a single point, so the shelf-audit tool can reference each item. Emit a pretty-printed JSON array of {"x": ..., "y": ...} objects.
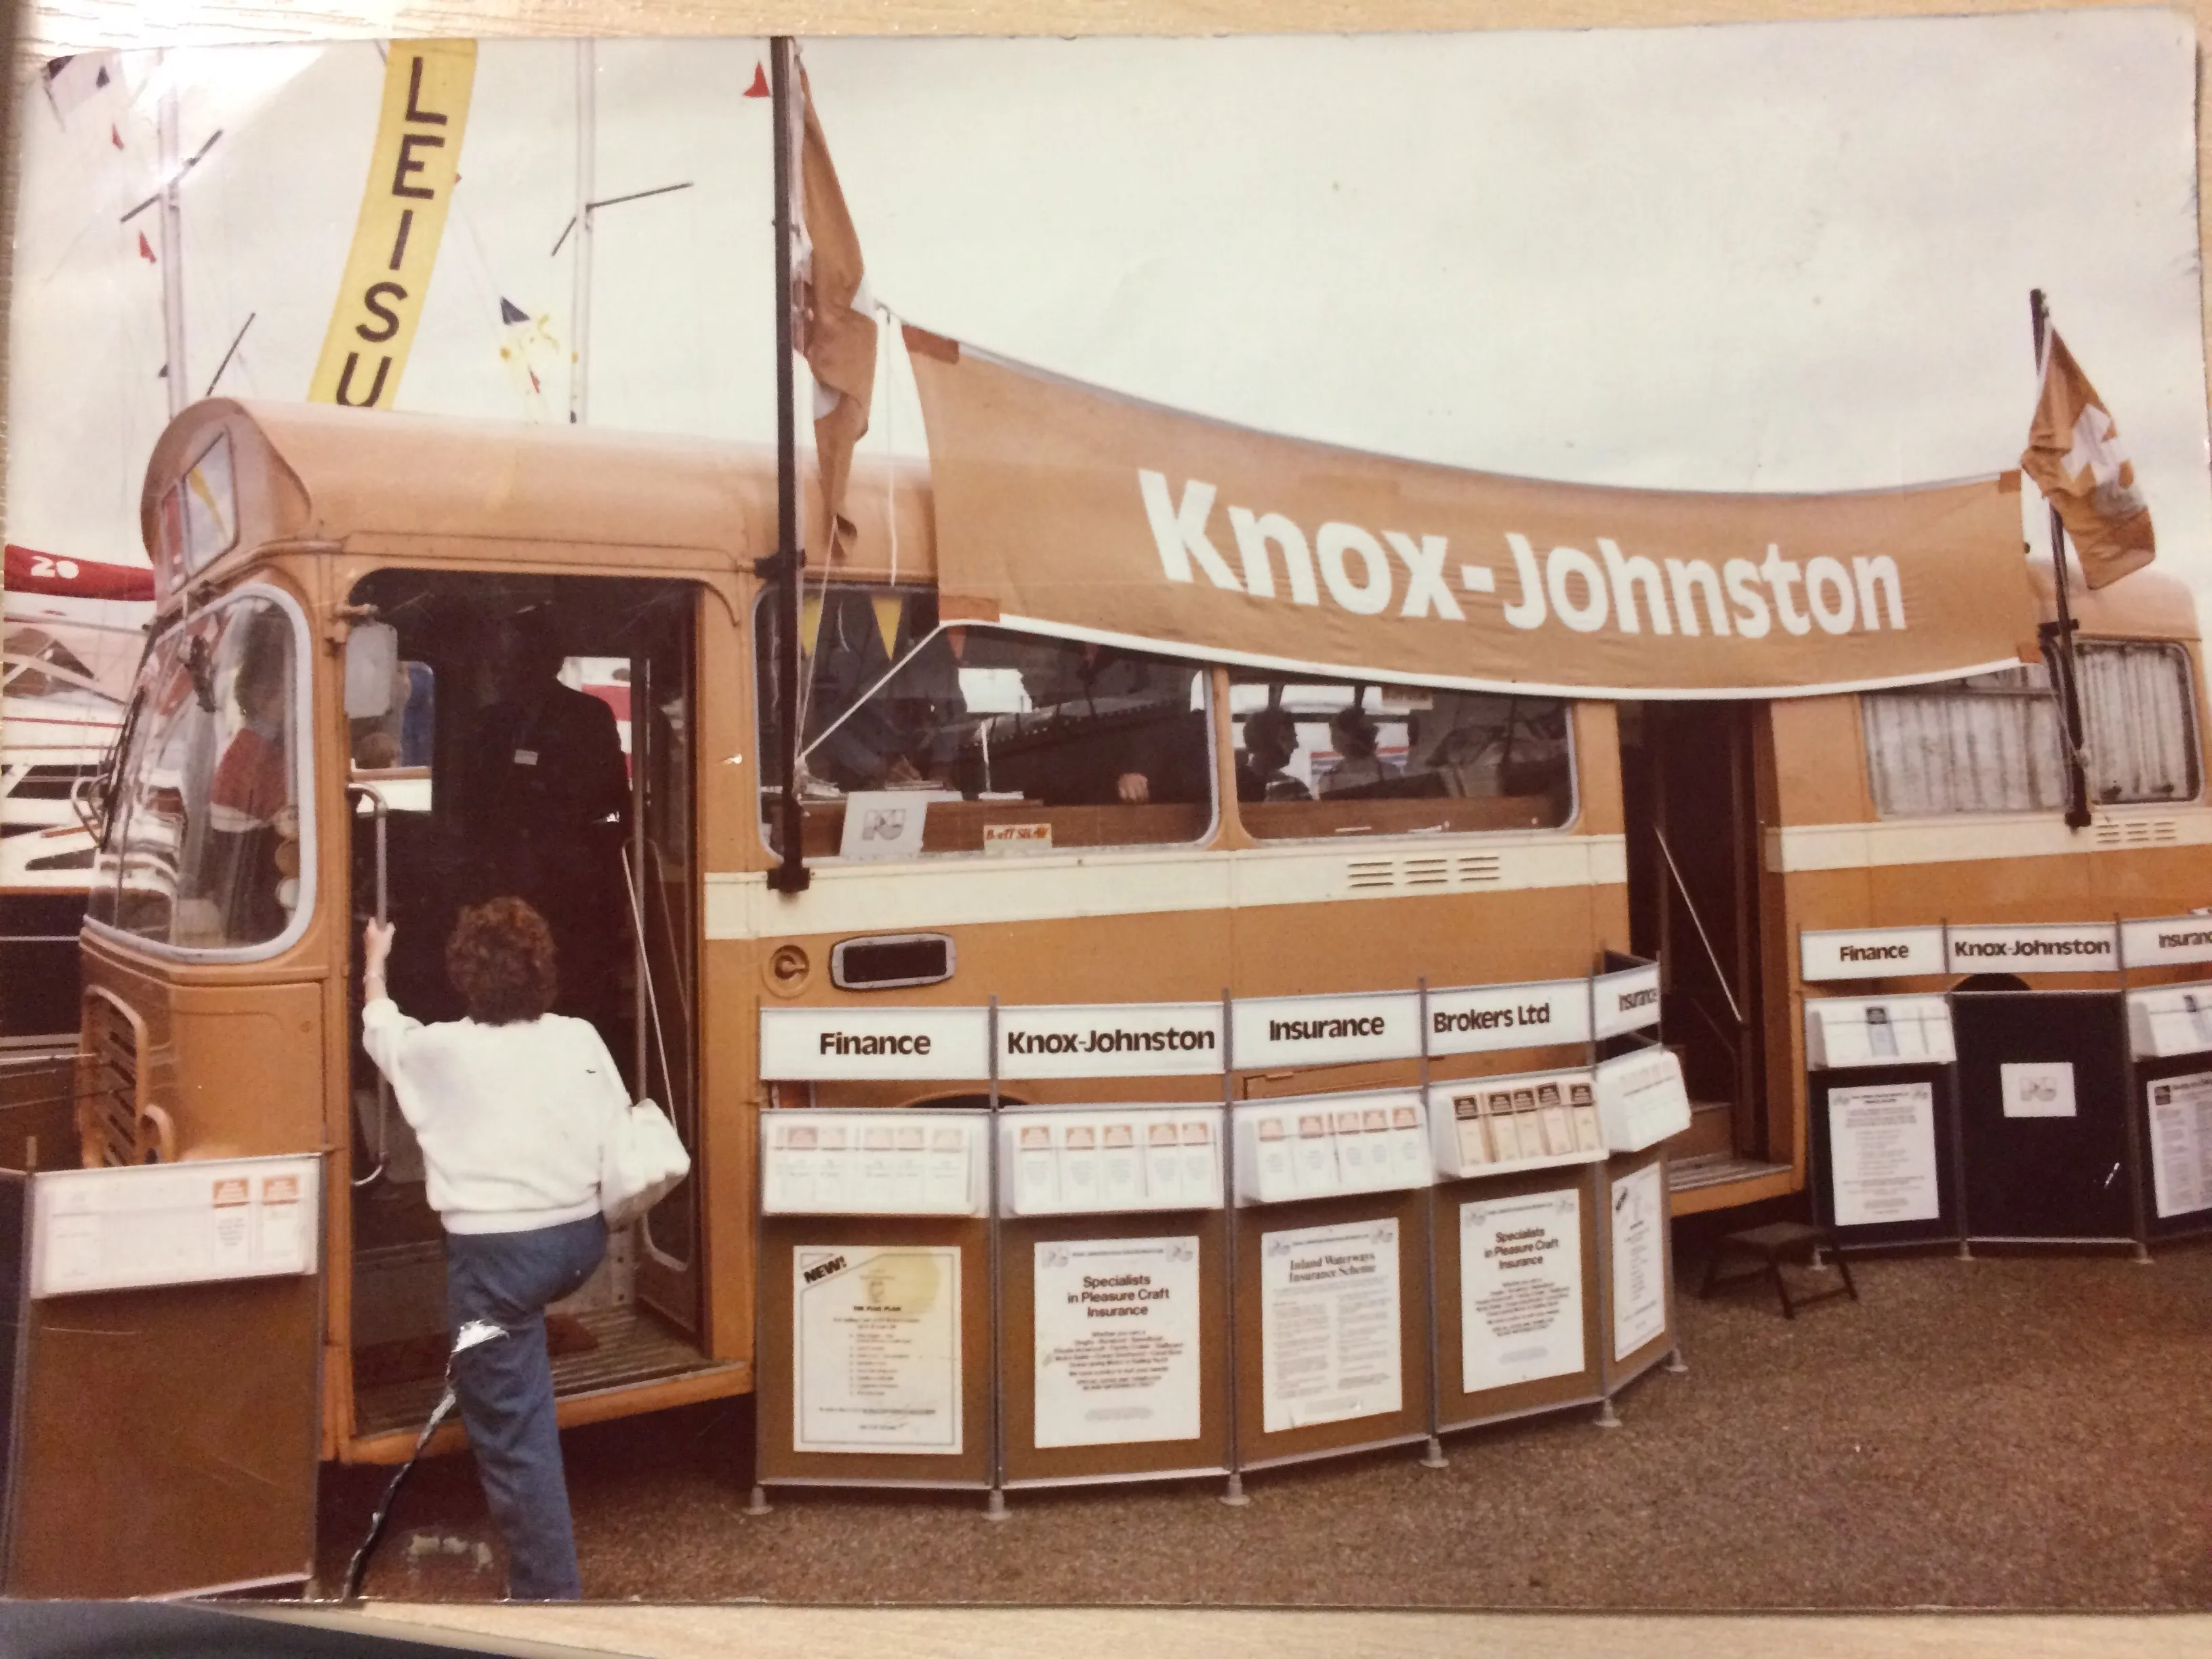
[
  {"x": 1113, "y": 1353},
  {"x": 1882, "y": 1101}
]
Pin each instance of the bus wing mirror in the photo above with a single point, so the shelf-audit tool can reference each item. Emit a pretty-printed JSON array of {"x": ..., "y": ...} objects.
[{"x": 372, "y": 654}]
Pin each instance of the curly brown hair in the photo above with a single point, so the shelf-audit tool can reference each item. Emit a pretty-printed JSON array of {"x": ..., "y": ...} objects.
[{"x": 501, "y": 959}]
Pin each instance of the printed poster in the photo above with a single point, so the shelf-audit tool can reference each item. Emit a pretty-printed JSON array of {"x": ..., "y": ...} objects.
[
  {"x": 1328, "y": 1324},
  {"x": 1117, "y": 1341},
  {"x": 1520, "y": 1290},
  {"x": 2038, "y": 1088},
  {"x": 2181, "y": 1143},
  {"x": 876, "y": 1349},
  {"x": 1881, "y": 1150},
  {"x": 1639, "y": 1259}
]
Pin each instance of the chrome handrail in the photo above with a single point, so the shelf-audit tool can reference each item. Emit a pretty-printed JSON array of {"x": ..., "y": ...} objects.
[{"x": 378, "y": 811}]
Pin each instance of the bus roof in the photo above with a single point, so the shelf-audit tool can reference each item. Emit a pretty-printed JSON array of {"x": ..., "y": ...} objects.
[
  {"x": 319, "y": 472},
  {"x": 2147, "y": 604}
]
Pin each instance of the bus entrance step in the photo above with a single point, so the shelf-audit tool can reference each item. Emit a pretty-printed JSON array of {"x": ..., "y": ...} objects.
[
  {"x": 1717, "y": 1169},
  {"x": 631, "y": 1346}
]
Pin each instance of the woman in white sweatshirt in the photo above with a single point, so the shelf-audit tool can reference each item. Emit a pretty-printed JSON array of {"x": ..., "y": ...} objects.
[{"x": 514, "y": 1107}]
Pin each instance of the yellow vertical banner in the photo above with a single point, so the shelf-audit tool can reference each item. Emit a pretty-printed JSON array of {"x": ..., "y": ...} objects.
[{"x": 411, "y": 174}]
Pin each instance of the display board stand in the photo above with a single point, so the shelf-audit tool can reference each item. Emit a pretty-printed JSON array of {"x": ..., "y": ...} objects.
[
  {"x": 1530, "y": 1210},
  {"x": 1635, "y": 1279},
  {"x": 1087, "y": 1299},
  {"x": 1270, "y": 1239},
  {"x": 2046, "y": 1119},
  {"x": 1882, "y": 1080},
  {"x": 2168, "y": 1044}
]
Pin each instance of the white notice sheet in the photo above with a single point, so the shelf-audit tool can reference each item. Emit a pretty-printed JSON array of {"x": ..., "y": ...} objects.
[
  {"x": 2181, "y": 1143},
  {"x": 1639, "y": 1259},
  {"x": 1520, "y": 1289},
  {"x": 1117, "y": 1323},
  {"x": 1328, "y": 1324},
  {"x": 1881, "y": 1150},
  {"x": 876, "y": 1348}
]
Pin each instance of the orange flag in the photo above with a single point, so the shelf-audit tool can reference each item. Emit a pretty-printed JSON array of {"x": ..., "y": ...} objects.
[
  {"x": 2076, "y": 458},
  {"x": 837, "y": 339}
]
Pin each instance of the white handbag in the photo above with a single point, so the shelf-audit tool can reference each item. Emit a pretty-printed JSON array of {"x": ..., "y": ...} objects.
[{"x": 641, "y": 1163}]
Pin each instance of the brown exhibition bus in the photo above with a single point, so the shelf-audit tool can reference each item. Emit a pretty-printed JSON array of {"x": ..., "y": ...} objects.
[{"x": 222, "y": 974}]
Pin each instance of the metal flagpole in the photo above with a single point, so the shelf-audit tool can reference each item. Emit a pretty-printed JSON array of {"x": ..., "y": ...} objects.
[
  {"x": 580, "y": 319},
  {"x": 168, "y": 160},
  {"x": 2070, "y": 700},
  {"x": 787, "y": 567}
]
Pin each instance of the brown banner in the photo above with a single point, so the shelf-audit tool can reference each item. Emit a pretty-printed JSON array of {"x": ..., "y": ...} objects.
[{"x": 1074, "y": 511}]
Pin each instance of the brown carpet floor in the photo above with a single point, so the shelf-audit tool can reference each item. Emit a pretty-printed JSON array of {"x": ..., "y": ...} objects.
[{"x": 2023, "y": 1431}]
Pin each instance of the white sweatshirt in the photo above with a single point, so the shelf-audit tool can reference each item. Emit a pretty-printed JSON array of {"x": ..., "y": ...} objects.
[{"x": 513, "y": 1119}]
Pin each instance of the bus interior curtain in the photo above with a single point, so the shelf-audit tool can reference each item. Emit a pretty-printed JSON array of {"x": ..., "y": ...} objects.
[
  {"x": 2136, "y": 699},
  {"x": 1938, "y": 752}
]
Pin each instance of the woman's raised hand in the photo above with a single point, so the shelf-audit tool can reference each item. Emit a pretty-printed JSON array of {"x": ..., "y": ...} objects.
[{"x": 375, "y": 948}]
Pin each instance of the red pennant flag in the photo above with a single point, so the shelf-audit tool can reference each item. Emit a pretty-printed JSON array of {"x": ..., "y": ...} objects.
[
  {"x": 759, "y": 88},
  {"x": 114, "y": 137},
  {"x": 145, "y": 250}
]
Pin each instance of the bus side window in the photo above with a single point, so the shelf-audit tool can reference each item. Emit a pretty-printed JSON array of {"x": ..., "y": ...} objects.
[
  {"x": 1323, "y": 759},
  {"x": 393, "y": 752},
  {"x": 1013, "y": 741},
  {"x": 1992, "y": 743}
]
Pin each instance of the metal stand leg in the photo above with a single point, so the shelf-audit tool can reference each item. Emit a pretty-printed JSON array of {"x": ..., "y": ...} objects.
[
  {"x": 1676, "y": 1365},
  {"x": 2142, "y": 1253},
  {"x": 1233, "y": 1494},
  {"x": 1966, "y": 1251},
  {"x": 758, "y": 1503},
  {"x": 1606, "y": 1418},
  {"x": 1432, "y": 1454},
  {"x": 994, "y": 1506}
]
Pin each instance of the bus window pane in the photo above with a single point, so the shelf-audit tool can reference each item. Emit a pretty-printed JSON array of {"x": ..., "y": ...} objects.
[
  {"x": 1325, "y": 759},
  {"x": 2141, "y": 741},
  {"x": 393, "y": 752},
  {"x": 1017, "y": 742},
  {"x": 205, "y": 848}
]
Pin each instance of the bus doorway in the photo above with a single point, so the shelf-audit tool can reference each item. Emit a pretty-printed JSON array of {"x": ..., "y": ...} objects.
[
  {"x": 1690, "y": 795},
  {"x": 483, "y": 777}
]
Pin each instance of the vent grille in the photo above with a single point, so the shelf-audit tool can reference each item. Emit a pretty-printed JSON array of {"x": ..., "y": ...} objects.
[
  {"x": 1426, "y": 872},
  {"x": 114, "y": 1123},
  {"x": 2136, "y": 832}
]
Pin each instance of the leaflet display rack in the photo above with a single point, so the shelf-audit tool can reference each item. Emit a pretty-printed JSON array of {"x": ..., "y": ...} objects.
[
  {"x": 1882, "y": 1098},
  {"x": 1009, "y": 1296}
]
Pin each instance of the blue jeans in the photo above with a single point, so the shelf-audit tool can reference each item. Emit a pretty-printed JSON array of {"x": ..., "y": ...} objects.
[{"x": 506, "y": 1389}]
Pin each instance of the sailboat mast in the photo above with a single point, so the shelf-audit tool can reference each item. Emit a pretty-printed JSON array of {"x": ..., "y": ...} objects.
[
  {"x": 168, "y": 159},
  {"x": 579, "y": 307}
]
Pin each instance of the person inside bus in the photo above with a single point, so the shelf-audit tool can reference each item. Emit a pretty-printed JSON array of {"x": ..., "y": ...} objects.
[
  {"x": 1271, "y": 738},
  {"x": 1141, "y": 762},
  {"x": 544, "y": 792},
  {"x": 1354, "y": 735},
  {"x": 514, "y": 1107},
  {"x": 252, "y": 824}
]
